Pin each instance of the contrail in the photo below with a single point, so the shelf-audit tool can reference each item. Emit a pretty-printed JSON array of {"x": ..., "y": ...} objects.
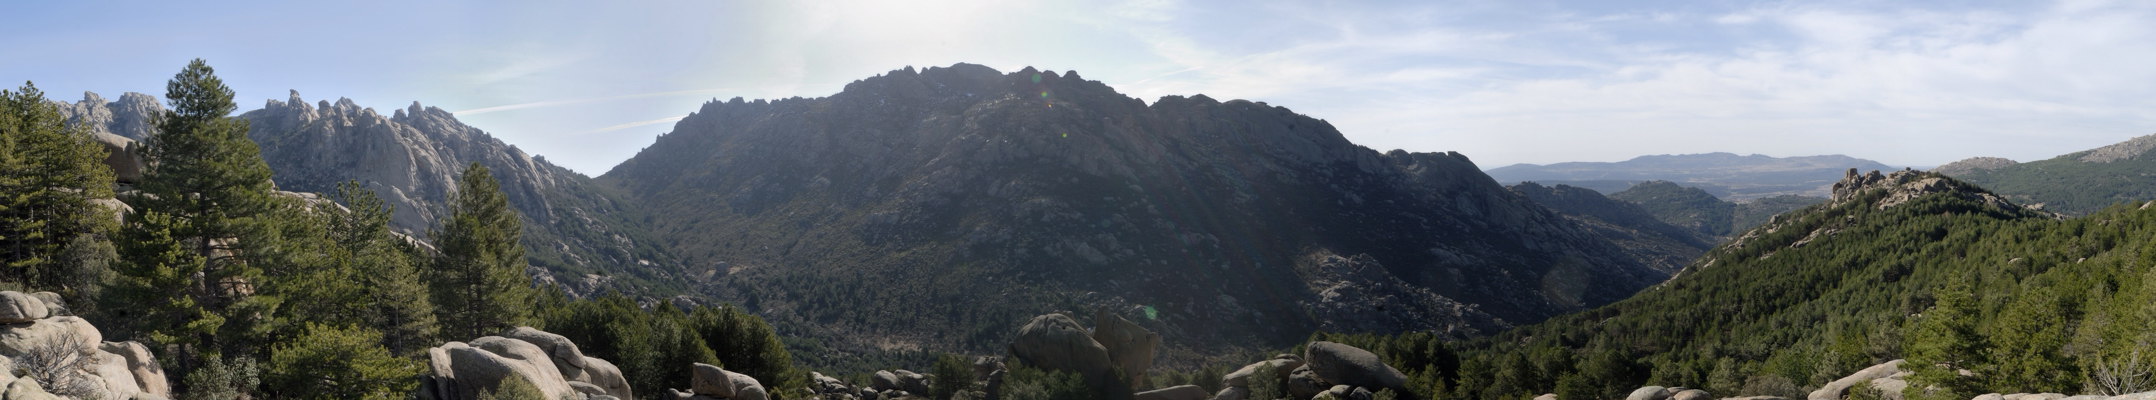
[
  {"x": 551, "y": 103},
  {"x": 632, "y": 125}
]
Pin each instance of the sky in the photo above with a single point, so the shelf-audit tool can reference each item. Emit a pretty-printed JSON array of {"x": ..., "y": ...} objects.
[{"x": 588, "y": 84}]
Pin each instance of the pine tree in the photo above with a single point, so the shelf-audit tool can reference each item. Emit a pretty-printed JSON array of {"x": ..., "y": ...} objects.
[
  {"x": 1944, "y": 342},
  {"x": 338, "y": 363},
  {"x": 49, "y": 172},
  {"x": 387, "y": 268},
  {"x": 211, "y": 183},
  {"x": 478, "y": 281}
]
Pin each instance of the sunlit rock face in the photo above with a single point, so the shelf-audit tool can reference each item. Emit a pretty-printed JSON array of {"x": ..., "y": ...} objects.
[{"x": 924, "y": 205}]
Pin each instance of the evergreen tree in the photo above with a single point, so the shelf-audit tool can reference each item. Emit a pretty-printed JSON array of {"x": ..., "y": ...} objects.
[
  {"x": 48, "y": 175},
  {"x": 1944, "y": 342},
  {"x": 479, "y": 283},
  {"x": 387, "y": 268},
  {"x": 336, "y": 363},
  {"x": 211, "y": 184}
]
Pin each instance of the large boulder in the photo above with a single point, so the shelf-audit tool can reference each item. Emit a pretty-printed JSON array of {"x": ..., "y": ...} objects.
[
  {"x": 605, "y": 375},
  {"x": 143, "y": 366},
  {"x": 18, "y": 307},
  {"x": 1651, "y": 393},
  {"x": 1348, "y": 365},
  {"x": 1282, "y": 365},
  {"x": 1057, "y": 342},
  {"x": 709, "y": 380},
  {"x": 1692, "y": 394},
  {"x": 112, "y": 373},
  {"x": 486, "y": 363},
  {"x": 120, "y": 155},
  {"x": 1233, "y": 393},
  {"x": 563, "y": 351},
  {"x": 747, "y": 388},
  {"x": 71, "y": 332},
  {"x": 27, "y": 389},
  {"x": 884, "y": 380},
  {"x": 1130, "y": 347},
  {"x": 1185, "y": 392},
  {"x": 1835, "y": 390},
  {"x": 1303, "y": 383},
  {"x": 911, "y": 382}
]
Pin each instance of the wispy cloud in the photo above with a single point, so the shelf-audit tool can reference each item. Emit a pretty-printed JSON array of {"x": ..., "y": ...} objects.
[
  {"x": 632, "y": 125},
  {"x": 564, "y": 102}
]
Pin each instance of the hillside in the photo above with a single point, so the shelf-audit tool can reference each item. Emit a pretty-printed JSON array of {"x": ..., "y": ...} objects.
[
  {"x": 1729, "y": 176},
  {"x": 1703, "y": 213},
  {"x": 1627, "y": 224},
  {"x": 936, "y": 208},
  {"x": 2077, "y": 183},
  {"x": 578, "y": 235},
  {"x": 1820, "y": 293}
]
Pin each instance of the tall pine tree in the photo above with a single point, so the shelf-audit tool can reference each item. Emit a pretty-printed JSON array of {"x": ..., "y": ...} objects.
[
  {"x": 1944, "y": 342},
  {"x": 48, "y": 175},
  {"x": 479, "y": 283},
  {"x": 387, "y": 268},
  {"x": 210, "y": 184}
]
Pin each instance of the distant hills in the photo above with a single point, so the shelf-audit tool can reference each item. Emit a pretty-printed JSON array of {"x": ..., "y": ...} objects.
[
  {"x": 937, "y": 207},
  {"x": 1725, "y": 175},
  {"x": 2076, "y": 183}
]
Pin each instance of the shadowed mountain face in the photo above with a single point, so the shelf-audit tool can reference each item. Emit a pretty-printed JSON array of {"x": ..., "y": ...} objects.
[
  {"x": 1726, "y": 175},
  {"x": 943, "y": 206},
  {"x": 574, "y": 234}
]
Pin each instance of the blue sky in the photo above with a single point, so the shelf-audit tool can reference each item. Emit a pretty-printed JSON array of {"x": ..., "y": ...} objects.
[{"x": 587, "y": 84}]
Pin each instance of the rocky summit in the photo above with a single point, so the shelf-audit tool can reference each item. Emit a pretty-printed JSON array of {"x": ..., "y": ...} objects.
[
  {"x": 578, "y": 237},
  {"x": 937, "y": 207}
]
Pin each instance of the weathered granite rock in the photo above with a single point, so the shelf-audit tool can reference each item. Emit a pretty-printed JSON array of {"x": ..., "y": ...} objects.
[
  {"x": 1184, "y": 392},
  {"x": 1348, "y": 365},
  {"x": 1130, "y": 347},
  {"x": 1836, "y": 389},
  {"x": 709, "y": 380},
  {"x": 1057, "y": 342}
]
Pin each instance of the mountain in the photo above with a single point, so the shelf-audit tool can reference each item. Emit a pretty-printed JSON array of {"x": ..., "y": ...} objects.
[
  {"x": 2077, "y": 183},
  {"x": 936, "y": 208},
  {"x": 1630, "y": 226},
  {"x": 1725, "y": 175},
  {"x": 575, "y": 233},
  {"x": 2054, "y": 305},
  {"x": 1704, "y": 214}
]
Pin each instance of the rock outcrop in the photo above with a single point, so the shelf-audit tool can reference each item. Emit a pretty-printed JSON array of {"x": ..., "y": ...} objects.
[
  {"x": 1887, "y": 377},
  {"x": 130, "y": 117},
  {"x": 1130, "y": 347},
  {"x": 1184, "y": 392},
  {"x": 1348, "y": 365},
  {"x": 1057, "y": 342},
  {"x": 709, "y": 382},
  {"x": 551, "y": 363},
  {"x": 67, "y": 357}
]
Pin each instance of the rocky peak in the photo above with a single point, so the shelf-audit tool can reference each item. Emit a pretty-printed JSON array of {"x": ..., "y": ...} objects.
[
  {"x": 2123, "y": 150},
  {"x": 1905, "y": 185},
  {"x": 133, "y": 116}
]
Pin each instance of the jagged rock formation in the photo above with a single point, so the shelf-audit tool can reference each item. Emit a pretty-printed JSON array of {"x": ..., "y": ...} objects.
[
  {"x": 577, "y": 236},
  {"x": 1905, "y": 185},
  {"x": 1729, "y": 176},
  {"x": 1361, "y": 295},
  {"x": 1043, "y": 188},
  {"x": 133, "y": 116},
  {"x": 550, "y": 362},
  {"x": 61, "y": 355}
]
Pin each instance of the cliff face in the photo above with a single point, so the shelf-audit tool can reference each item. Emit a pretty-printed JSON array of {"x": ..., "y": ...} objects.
[
  {"x": 929, "y": 203},
  {"x": 575, "y": 234}
]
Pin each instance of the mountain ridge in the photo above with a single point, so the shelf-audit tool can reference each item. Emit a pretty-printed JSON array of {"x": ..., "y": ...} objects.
[
  {"x": 1727, "y": 175},
  {"x": 1054, "y": 191}
]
